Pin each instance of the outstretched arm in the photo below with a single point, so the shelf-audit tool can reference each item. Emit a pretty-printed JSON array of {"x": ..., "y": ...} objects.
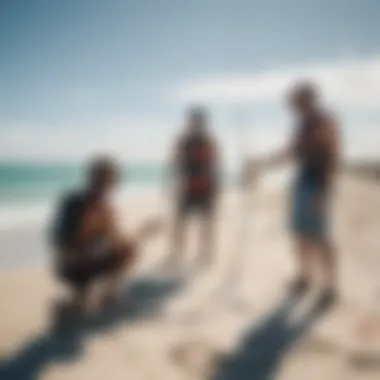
[
  {"x": 254, "y": 166},
  {"x": 144, "y": 232},
  {"x": 277, "y": 159}
]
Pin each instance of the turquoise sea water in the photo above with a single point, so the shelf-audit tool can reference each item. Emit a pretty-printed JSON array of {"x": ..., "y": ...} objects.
[
  {"x": 23, "y": 183},
  {"x": 28, "y": 191}
]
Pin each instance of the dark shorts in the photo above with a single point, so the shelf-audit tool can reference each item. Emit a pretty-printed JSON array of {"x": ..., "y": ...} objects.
[
  {"x": 92, "y": 270},
  {"x": 307, "y": 220},
  {"x": 189, "y": 204}
]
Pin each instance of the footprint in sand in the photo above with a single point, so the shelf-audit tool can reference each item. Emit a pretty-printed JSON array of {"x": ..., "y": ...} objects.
[
  {"x": 366, "y": 357},
  {"x": 197, "y": 358}
]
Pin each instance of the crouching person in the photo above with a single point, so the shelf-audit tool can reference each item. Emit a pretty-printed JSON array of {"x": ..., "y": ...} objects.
[{"x": 88, "y": 244}]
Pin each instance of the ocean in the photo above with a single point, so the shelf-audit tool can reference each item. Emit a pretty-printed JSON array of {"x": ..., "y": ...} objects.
[
  {"x": 29, "y": 193},
  {"x": 25, "y": 183},
  {"x": 29, "y": 190}
]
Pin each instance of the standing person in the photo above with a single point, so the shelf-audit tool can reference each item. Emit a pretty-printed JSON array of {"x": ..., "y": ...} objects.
[
  {"x": 88, "y": 244},
  {"x": 315, "y": 150},
  {"x": 196, "y": 175}
]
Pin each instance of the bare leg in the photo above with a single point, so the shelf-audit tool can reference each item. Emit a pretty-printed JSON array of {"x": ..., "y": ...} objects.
[
  {"x": 329, "y": 265},
  {"x": 329, "y": 294},
  {"x": 125, "y": 259},
  {"x": 124, "y": 256},
  {"x": 304, "y": 256},
  {"x": 178, "y": 239},
  {"x": 207, "y": 237}
]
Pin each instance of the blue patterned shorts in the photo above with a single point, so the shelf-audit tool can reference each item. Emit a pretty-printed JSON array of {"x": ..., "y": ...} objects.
[{"x": 307, "y": 220}]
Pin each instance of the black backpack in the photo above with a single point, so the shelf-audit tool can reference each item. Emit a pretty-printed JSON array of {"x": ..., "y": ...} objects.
[{"x": 67, "y": 221}]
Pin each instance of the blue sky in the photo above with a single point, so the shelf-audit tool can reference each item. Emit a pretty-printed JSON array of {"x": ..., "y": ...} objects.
[{"x": 78, "y": 76}]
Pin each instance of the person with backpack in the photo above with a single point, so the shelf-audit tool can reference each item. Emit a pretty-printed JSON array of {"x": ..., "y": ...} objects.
[{"x": 87, "y": 242}]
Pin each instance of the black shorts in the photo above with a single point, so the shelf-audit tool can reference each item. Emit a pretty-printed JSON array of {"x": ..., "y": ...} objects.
[
  {"x": 189, "y": 204},
  {"x": 94, "y": 269}
]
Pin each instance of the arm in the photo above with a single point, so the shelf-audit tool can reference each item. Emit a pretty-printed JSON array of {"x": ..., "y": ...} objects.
[
  {"x": 99, "y": 220},
  {"x": 279, "y": 158},
  {"x": 144, "y": 232},
  {"x": 272, "y": 161},
  {"x": 253, "y": 167}
]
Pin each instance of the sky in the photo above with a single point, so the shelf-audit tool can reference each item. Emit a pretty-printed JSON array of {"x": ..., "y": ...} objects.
[{"x": 84, "y": 76}]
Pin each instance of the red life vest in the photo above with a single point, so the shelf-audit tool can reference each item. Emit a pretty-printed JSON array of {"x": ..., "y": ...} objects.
[{"x": 197, "y": 164}]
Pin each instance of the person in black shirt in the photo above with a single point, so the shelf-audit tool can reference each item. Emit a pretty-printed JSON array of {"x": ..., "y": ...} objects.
[{"x": 87, "y": 242}]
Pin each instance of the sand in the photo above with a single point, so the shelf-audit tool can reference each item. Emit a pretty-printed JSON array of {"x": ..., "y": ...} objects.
[{"x": 227, "y": 322}]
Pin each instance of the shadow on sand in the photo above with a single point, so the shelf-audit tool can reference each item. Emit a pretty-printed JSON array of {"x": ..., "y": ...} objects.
[
  {"x": 144, "y": 300},
  {"x": 263, "y": 347}
]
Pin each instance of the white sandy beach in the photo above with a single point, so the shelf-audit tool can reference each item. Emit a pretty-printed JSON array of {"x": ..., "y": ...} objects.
[{"x": 186, "y": 329}]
